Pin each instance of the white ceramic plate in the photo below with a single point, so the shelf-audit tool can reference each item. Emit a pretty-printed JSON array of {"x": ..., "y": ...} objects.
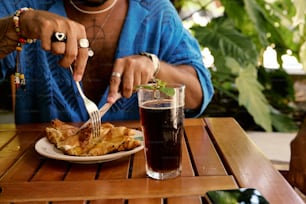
[{"x": 45, "y": 148}]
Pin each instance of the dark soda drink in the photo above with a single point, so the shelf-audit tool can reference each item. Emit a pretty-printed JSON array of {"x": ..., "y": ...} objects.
[{"x": 162, "y": 124}]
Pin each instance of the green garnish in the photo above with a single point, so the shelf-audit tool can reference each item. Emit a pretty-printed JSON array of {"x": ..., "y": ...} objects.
[{"x": 160, "y": 86}]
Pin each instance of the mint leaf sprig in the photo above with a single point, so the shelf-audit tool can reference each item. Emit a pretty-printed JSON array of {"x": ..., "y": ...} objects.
[{"x": 160, "y": 86}]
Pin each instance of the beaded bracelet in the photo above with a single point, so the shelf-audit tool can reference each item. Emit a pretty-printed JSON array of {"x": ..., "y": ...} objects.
[
  {"x": 19, "y": 76},
  {"x": 16, "y": 20}
]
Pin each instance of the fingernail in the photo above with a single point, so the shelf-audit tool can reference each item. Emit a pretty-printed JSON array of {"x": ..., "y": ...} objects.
[{"x": 110, "y": 99}]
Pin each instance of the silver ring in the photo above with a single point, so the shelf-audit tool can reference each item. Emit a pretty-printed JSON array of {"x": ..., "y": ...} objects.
[
  {"x": 83, "y": 43},
  {"x": 116, "y": 74},
  {"x": 58, "y": 37}
]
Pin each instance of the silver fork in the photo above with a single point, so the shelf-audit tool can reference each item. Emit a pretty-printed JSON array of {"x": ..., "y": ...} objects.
[
  {"x": 102, "y": 110},
  {"x": 92, "y": 110}
]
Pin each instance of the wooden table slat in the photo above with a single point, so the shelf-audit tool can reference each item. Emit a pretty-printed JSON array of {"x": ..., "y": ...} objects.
[
  {"x": 146, "y": 201},
  {"x": 108, "y": 189},
  {"x": 249, "y": 165},
  {"x": 106, "y": 201},
  {"x": 185, "y": 200},
  {"x": 29, "y": 161},
  {"x": 69, "y": 202},
  {"x": 139, "y": 165},
  {"x": 205, "y": 157},
  {"x": 5, "y": 137},
  {"x": 187, "y": 168},
  {"x": 15, "y": 148},
  {"x": 82, "y": 172}
]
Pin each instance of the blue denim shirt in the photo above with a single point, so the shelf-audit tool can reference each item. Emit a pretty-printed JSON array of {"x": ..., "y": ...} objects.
[{"x": 151, "y": 25}]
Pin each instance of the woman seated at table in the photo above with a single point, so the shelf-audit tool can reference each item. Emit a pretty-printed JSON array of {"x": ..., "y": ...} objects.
[{"x": 106, "y": 37}]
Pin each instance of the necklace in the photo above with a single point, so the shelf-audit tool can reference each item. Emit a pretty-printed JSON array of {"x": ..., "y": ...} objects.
[
  {"x": 91, "y": 53},
  {"x": 92, "y": 12}
]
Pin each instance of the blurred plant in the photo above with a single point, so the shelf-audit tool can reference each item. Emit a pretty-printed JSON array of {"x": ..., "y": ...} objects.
[{"x": 237, "y": 40}]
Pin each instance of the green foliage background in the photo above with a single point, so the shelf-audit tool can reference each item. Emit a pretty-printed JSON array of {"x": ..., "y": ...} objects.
[{"x": 237, "y": 40}]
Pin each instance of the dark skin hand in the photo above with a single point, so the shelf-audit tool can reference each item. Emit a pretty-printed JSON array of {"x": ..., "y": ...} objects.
[{"x": 41, "y": 25}]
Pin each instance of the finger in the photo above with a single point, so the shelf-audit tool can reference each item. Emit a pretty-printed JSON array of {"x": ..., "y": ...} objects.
[
  {"x": 81, "y": 59},
  {"x": 137, "y": 81},
  {"x": 80, "y": 64},
  {"x": 58, "y": 48},
  {"x": 115, "y": 81},
  {"x": 71, "y": 51},
  {"x": 49, "y": 25},
  {"x": 82, "y": 45},
  {"x": 145, "y": 77},
  {"x": 113, "y": 88},
  {"x": 58, "y": 40},
  {"x": 128, "y": 83},
  {"x": 46, "y": 39}
]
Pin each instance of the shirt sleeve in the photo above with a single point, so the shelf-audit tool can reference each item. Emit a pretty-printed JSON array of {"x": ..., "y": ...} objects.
[{"x": 178, "y": 46}]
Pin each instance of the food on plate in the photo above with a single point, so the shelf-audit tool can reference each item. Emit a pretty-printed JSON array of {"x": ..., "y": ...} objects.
[{"x": 74, "y": 141}]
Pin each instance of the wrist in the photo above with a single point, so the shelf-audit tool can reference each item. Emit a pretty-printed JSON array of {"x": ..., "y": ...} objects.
[
  {"x": 5, "y": 25},
  {"x": 155, "y": 61},
  {"x": 8, "y": 36}
]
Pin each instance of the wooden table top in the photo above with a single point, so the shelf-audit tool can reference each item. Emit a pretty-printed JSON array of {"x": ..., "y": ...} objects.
[{"x": 217, "y": 154}]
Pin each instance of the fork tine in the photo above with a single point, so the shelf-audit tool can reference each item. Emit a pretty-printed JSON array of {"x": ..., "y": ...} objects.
[
  {"x": 96, "y": 121},
  {"x": 99, "y": 122},
  {"x": 92, "y": 110},
  {"x": 94, "y": 115}
]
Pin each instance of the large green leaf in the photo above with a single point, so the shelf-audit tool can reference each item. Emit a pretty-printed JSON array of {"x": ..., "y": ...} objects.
[
  {"x": 283, "y": 123},
  {"x": 255, "y": 19},
  {"x": 299, "y": 18},
  {"x": 250, "y": 94},
  {"x": 259, "y": 20},
  {"x": 221, "y": 37},
  {"x": 235, "y": 10},
  {"x": 302, "y": 55}
]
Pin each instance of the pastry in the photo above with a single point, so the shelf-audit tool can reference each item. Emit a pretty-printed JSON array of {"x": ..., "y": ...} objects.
[{"x": 73, "y": 141}]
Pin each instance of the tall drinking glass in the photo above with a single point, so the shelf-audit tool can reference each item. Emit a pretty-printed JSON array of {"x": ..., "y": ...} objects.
[{"x": 162, "y": 119}]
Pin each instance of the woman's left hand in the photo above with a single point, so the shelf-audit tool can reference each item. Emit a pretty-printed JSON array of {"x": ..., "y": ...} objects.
[{"x": 128, "y": 73}]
